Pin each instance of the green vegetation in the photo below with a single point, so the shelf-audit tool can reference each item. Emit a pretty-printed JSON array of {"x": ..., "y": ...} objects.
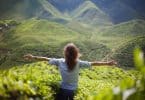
[
  {"x": 86, "y": 13},
  {"x": 35, "y": 36},
  {"x": 42, "y": 29},
  {"x": 123, "y": 54},
  {"x": 118, "y": 35},
  {"x": 42, "y": 37},
  {"x": 133, "y": 27},
  {"x": 41, "y": 81},
  {"x": 128, "y": 89},
  {"x": 45, "y": 38}
]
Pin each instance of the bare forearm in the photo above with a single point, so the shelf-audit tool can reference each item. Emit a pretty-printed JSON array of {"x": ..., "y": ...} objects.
[
  {"x": 98, "y": 63},
  {"x": 40, "y": 58},
  {"x": 31, "y": 57}
]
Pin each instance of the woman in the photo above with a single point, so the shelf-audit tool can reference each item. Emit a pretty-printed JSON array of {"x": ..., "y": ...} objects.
[{"x": 69, "y": 69}]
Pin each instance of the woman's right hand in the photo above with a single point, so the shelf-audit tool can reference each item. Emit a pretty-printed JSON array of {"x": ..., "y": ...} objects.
[{"x": 28, "y": 57}]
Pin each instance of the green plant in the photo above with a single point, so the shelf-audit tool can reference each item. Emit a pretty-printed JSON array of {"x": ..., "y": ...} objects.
[{"x": 129, "y": 88}]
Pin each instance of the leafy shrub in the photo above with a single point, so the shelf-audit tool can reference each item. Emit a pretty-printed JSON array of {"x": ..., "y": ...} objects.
[{"x": 129, "y": 89}]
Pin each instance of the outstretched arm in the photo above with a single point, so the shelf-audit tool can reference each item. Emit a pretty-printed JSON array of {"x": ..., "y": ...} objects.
[
  {"x": 39, "y": 58},
  {"x": 98, "y": 63}
]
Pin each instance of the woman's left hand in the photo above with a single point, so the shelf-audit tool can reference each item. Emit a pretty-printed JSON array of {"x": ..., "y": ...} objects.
[{"x": 112, "y": 63}]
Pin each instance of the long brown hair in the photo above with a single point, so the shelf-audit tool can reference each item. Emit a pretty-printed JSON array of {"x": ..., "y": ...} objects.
[{"x": 71, "y": 53}]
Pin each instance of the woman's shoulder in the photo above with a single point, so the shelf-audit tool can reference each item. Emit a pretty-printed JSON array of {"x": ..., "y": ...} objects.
[
  {"x": 79, "y": 60},
  {"x": 61, "y": 59},
  {"x": 58, "y": 58}
]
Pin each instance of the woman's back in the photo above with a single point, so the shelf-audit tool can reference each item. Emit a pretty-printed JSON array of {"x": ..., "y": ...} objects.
[{"x": 69, "y": 78}]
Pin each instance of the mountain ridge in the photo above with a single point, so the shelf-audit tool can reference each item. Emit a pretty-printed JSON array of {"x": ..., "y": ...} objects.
[
  {"x": 88, "y": 12},
  {"x": 118, "y": 11}
]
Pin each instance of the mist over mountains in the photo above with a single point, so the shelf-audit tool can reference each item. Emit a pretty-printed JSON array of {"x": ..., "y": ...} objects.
[
  {"x": 122, "y": 10},
  {"x": 115, "y": 11}
]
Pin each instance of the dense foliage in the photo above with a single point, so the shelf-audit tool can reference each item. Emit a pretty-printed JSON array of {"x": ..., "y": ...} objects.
[
  {"x": 41, "y": 81},
  {"x": 128, "y": 89}
]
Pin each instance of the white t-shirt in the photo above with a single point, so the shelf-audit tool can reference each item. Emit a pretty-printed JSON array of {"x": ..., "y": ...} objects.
[{"x": 69, "y": 78}]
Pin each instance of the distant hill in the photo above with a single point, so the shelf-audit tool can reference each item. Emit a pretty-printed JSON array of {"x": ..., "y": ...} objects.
[
  {"x": 116, "y": 35},
  {"x": 89, "y": 13},
  {"x": 122, "y": 10},
  {"x": 124, "y": 54},
  {"x": 44, "y": 38},
  {"x": 18, "y": 9},
  {"x": 49, "y": 8},
  {"x": 24, "y": 9},
  {"x": 47, "y": 38},
  {"x": 133, "y": 27},
  {"x": 116, "y": 10},
  {"x": 40, "y": 37}
]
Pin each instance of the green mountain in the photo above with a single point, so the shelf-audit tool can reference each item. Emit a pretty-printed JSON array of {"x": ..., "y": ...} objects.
[
  {"x": 89, "y": 13},
  {"x": 50, "y": 29},
  {"x": 133, "y": 27},
  {"x": 86, "y": 12},
  {"x": 124, "y": 53},
  {"x": 42, "y": 37},
  {"x": 16, "y": 9},
  {"x": 83, "y": 7},
  {"x": 45, "y": 38},
  {"x": 118, "y": 11},
  {"x": 25, "y": 9},
  {"x": 49, "y": 8},
  {"x": 122, "y": 10},
  {"x": 34, "y": 36}
]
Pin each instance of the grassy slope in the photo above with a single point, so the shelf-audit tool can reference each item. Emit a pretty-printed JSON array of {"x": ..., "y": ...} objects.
[
  {"x": 124, "y": 53},
  {"x": 119, "y": 34},
  {"x": 42, "y": 37},
  {"x": 40, "y": 32},
  {"x": 37, "y": 36},
  {"x": 39, "y": 80},
  {"x": 45, "y": 38},
  {"x": 133, "y": 27}
]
